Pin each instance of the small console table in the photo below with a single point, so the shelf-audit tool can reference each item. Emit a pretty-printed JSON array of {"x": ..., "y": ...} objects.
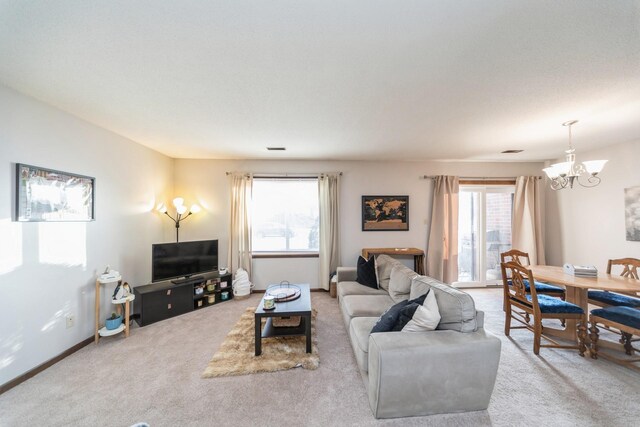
[{"x": 418, "y": 255}]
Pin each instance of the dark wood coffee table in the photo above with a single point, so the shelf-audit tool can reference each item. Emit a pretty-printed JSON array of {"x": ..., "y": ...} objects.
[{"x": 298, "y": 307}]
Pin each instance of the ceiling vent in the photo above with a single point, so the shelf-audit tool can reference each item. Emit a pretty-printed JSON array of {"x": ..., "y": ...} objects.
[
  {"x": 276, "y": 148},
  {"x": 512, "y": 151}
]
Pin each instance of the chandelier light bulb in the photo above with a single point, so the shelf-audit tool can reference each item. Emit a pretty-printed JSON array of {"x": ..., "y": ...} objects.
[
  {"x": 161, "y": 208},
  {"x": 181, "y": 209},
  {"x": 195, "y": 209}
]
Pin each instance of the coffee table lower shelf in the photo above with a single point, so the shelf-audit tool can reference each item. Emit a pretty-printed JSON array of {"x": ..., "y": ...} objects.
[{"x": 304, "y": 330}]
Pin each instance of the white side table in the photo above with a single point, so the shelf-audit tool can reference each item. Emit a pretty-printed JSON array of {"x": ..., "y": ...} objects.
[{"x": 103, "y": 331}]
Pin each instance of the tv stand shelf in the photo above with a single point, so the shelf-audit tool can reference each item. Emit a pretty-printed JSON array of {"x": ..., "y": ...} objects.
[{"x": 162, "y": 300}]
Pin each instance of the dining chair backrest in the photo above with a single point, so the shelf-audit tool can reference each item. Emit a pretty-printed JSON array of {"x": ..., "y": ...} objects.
[
  {"x": 514, "y": 287},
  {"x": 630, "y": 265},
  {"x": 519, "y": 257}
]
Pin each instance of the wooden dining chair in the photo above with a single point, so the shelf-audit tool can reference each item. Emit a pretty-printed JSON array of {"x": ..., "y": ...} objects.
[
  {"x": 522, "y": 258},
  {"x": 538, "y": 306},
  {"x": 630, "y": 268},
  {"x": 624, "y": 319}
]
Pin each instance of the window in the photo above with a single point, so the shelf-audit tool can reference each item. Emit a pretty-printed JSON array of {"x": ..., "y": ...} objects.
[
  {"x": 484, "y": 231},
  {"x": 285, "y": 216}
]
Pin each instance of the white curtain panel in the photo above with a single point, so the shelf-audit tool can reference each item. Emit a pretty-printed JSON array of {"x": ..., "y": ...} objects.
[
  {"x": 328, "y": 195},
  {"x": 240, "y": 232},
  {"x": 526, "y": 228},
  {"x": 442, "y": 250}
]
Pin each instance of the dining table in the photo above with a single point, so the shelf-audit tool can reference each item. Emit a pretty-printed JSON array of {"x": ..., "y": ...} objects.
[{"x": 576, "y": 292}]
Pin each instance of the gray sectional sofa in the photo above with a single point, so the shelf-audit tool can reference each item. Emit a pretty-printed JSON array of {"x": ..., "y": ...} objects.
[{"x": 451, "y": 369}]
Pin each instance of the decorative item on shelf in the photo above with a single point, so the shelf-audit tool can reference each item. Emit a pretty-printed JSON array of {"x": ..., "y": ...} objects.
[
  {"x": 211, "y": 299},
  {"x": 178, "y": 203},
  {"x": 222, "y": 271},
  {"x": 211, "y": 286},
  {"x": 198, "y": 290},
  {"x": 284, "y": 291},
  {"x": 224, "y": 295},
  {"x": 223, "y": 284},
  {"x": 122, "y": 291},
  {"x": 566, "y": 173},
  {"x": 109, "y": 275},
  {"x": 113, "y": 322},
  {"x": 200, "y": 302}
]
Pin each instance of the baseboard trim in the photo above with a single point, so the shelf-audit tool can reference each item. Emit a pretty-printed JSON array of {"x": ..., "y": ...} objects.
[{"x": 41, "y": 367}]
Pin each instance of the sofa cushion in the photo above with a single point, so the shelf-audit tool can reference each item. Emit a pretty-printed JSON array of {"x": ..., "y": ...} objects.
[
  {"x": 365, "y": 305},
  {"x": 359, "y": 330},
  {"x": 422, "y": 286},
  {"x": 426, "y": 317},
  {"x": 355, "y": 288},
  {"x": 400, "y": 282},
  {"x": 624, "y": 315},
  {"x": 384, "y": 265},
  {"x": 367, "y": 272},
  {"x": 389, "y": 318},
  {"x": 457, "y": 309}
]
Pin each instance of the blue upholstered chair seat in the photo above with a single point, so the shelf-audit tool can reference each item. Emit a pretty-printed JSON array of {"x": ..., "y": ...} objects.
[
  {"x": 611, "y": 298},
  {"x": 554, "y": 305},
  {"x": 541, "y": 287},
  {"x": 624, "y": 315}
]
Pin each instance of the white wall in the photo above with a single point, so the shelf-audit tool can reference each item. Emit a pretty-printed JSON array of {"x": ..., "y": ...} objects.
[
  {"x": 48, "y": 270},
  {"x": 205, "y": 182},
  {"x": 587, "y": 225}
]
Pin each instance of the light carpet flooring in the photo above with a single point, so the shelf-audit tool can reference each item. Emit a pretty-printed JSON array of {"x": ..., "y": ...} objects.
[{"x": 154, "y": 376}]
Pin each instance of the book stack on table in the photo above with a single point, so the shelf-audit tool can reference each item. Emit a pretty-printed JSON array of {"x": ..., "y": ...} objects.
[{"x": 581, "y": 270}]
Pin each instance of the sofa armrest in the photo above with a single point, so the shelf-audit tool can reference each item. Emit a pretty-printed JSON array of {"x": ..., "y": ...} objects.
[
  {"x": 347, "y": 274},
  {"x": 423, "y": 373}
]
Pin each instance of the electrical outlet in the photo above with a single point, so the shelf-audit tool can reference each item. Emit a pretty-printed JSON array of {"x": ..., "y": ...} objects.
[{"x": 71, "y": 320}]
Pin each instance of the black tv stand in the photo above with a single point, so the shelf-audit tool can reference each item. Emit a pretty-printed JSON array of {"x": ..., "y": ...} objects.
[
  {"x": 185, "y": 280},
  {"x": 162, "y": 300}
]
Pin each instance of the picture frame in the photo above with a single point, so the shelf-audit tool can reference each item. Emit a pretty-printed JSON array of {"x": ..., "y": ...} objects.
[
  {"x": 385, "y": 213},
  {"x": 632, "y": 213},
  {"x": 53, "y": 196}
]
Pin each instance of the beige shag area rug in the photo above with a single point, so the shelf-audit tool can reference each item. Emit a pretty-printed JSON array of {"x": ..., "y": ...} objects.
[{"x": 236, "y": 355}]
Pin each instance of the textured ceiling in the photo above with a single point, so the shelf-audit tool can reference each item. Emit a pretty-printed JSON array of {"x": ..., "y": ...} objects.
[{"x": 364, "y": 79}]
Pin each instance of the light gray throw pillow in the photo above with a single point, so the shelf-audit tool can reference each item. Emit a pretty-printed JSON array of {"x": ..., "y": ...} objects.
[
  {"x": 400, "y": 282},
  {"x": 426, "y": 316},
  {"x": 384, "y": 265}
]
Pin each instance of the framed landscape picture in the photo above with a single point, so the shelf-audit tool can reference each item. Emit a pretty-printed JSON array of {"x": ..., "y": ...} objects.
[
  {"x": 385, "y": 213},
  {"x": 50, "y": 195}
]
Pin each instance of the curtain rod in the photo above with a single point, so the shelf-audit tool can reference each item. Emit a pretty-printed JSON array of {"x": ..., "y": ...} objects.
[
  {"x": 286, "y": 174},
  {"x": 488, "y": 178}
]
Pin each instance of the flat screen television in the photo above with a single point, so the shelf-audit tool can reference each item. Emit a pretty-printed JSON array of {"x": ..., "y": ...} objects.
[{"x": 183, "y": 259}]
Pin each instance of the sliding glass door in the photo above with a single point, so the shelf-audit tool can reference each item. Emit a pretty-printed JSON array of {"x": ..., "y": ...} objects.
[{"x": 484, "y": 231}]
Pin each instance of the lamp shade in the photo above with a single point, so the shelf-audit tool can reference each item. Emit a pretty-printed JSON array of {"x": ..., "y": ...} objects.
[
  {"x": 562, "y": 169},
  {"x": 551, "y": 172},
  {"x": 161, "y": 208},
  {"x": 178, "y": 201},
  {"x": 594, "y": 166},
  {"x": 181, "y": 209},
  {"x": 194, "y": 209}
]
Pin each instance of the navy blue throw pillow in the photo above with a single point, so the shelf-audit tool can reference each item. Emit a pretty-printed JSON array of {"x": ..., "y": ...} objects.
[
  {"x": 389, "y": 318},
  {"x": 367, "y": 272},
  {"x": 406, "y": 314}
]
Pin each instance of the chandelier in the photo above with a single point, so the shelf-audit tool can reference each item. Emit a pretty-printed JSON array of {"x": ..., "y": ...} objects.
[{"x": 566, "y": 173}]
